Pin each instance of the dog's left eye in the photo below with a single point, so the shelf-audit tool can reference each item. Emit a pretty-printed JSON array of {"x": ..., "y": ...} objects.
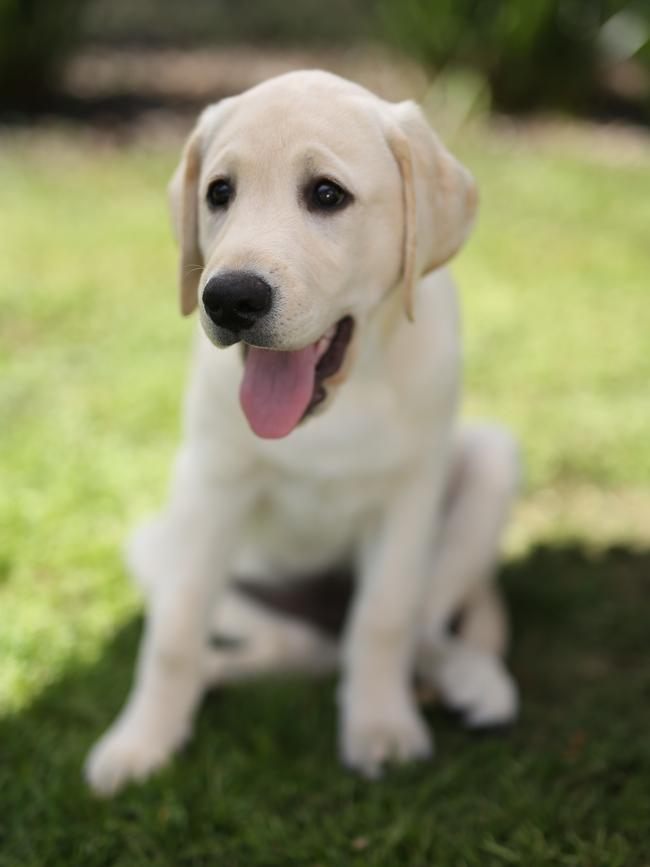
[
  {"x": 219, "y": 193},
  {"x": 327, "y": 196}
]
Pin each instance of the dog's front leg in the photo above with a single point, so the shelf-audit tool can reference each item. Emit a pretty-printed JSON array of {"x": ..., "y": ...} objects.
[
  {"x": 195, "y": 539},
  {"x": 379, "y": 718}
]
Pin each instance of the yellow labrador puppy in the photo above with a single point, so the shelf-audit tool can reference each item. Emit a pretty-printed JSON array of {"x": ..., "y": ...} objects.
[{"x": 314, "y": 220}]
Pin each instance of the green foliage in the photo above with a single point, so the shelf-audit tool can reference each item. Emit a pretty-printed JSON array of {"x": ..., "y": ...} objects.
[
  {"x": 35, "y": 37},
  {"x": 532, "y": 52},
  {"x": 225, "y": 21}
]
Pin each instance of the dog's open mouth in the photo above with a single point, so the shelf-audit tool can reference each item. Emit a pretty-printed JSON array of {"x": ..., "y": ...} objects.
[{"x": 280, "y": 388}]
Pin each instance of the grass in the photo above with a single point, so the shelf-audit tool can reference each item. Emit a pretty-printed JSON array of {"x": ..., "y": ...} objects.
[{"x": 92, "y": 362}]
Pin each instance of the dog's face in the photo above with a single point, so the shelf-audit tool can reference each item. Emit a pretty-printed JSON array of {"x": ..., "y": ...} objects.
[{"x": 297, "y": 206}]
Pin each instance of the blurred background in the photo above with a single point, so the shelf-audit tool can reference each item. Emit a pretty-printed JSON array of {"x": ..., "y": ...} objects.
[
  {"x": 548, "y": 103},
  {"x": 587, "y": 56}
]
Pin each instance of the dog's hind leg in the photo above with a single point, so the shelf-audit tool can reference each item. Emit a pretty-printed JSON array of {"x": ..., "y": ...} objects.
[
  {"x": 249, "y": 639},
  {"x": 466, "y": 668},
  {"x": 483, "y": 620}
]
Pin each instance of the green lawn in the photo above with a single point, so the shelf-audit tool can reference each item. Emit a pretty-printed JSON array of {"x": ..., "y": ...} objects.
[{"x": 92, "y": 364}]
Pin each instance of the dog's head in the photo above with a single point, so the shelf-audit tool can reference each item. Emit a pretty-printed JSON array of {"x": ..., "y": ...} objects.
[{"x": 299, "y": 206}]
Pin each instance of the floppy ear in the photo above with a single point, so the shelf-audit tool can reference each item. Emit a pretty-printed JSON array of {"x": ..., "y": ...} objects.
[
  {"x": 439, "y": 196},
  {"x": 183, "y": 199}
]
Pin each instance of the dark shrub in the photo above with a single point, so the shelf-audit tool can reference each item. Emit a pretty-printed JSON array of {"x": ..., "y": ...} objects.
[
  {"x": 35, "y": 37},
  {"x": 532, "y": 52}
]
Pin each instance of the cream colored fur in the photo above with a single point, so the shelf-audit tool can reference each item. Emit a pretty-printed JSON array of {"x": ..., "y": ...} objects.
[{"x": 382, "y": 477}]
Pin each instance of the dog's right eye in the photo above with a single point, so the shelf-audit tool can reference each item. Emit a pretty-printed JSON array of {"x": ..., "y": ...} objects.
[
  {"x": 219, "y": 193},
  {"x": 325, "y": 195}
]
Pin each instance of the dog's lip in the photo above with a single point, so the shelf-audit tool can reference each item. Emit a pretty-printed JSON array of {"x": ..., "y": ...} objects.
[
  {"x": 331, "y": 350},
  {"x": 334, "y": 346}
]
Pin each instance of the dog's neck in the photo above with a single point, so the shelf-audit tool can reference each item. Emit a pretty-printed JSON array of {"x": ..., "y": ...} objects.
[{"x": 380, "y": 329}]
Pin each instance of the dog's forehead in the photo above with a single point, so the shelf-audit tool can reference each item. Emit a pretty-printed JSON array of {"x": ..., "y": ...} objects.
[{"x": 297, "y": 112}]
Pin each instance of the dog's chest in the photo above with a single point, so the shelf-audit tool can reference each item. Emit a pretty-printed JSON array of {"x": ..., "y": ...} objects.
[
  {"x": 303, "y": 524},
  {"x": 319, "y": 491}
]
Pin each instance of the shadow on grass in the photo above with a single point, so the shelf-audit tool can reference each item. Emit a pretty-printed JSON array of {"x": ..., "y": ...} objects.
[{"x": 259, "y": 783}]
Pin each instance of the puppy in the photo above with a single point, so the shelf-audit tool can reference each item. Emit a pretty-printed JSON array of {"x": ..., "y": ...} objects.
[{"x": 314, "y": 220}]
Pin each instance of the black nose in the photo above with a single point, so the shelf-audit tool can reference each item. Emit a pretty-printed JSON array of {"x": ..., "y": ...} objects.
[{"x": 236, "y": 299}]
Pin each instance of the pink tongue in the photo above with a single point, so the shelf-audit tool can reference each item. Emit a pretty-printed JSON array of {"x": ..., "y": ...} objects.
[{"x": 277, "y": 389}]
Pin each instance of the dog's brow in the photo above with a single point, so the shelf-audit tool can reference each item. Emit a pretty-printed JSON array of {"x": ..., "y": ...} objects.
[
  {"x": 224, "y": 159},
  {"x": 321, "y": 160}
]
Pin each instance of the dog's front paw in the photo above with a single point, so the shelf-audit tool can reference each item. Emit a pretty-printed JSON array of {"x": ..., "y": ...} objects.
[
  {"x": 375, "y": 733},
  {"x": 478, "y": 685},
  {"x": 126, "y": 752}
]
